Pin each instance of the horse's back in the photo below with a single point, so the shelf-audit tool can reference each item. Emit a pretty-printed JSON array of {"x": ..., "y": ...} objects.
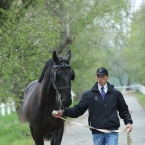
[
  {"x": 31, "y": 87},
  {"x": 29, "y": 91}
]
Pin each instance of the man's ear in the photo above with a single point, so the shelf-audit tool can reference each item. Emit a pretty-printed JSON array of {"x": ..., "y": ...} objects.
[{"x": 73, "y": 75}]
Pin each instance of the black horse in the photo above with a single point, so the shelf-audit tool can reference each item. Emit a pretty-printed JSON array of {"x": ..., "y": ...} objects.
[{"x": 52, "y": 91}]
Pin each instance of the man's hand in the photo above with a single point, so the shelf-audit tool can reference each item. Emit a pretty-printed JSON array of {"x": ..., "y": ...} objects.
[
  {"x": 129, "y": 126},
  {"x": 57, "y": 114}
]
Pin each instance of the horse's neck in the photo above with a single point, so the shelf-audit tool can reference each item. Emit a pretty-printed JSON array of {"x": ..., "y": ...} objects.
[
  {"x": 47, "y": 64},
  {"x": 46, "y": 84},
  {"x": 48, "y": 95}
]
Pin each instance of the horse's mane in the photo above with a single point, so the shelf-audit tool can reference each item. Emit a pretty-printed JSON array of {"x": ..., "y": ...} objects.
[
  {"x": 47, "y": 64},
  {"x": 51, "y": 63}
]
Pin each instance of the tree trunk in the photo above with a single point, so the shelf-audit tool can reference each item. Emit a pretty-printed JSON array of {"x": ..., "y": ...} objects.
[
  {"x": 77, "y": 97},
  {"x": 19, "y": 110},
  {"x": 128, "y": 84},
  {"x": 67, "y": 42}
]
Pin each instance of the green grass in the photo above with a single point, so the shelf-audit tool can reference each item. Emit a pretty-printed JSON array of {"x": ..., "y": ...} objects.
[
  {"x": 12, "y": 132},
  {"x": 141, "y": 98}
]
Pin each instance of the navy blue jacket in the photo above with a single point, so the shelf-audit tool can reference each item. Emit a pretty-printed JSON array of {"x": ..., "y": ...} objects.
[{"x": 103, "y": 114}]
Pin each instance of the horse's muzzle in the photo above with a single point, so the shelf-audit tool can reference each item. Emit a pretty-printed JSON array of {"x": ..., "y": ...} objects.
[{"x": 66, "y": 104}]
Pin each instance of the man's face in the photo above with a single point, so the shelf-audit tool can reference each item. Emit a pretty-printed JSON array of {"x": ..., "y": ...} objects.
[{"x": 102, "y": 80}]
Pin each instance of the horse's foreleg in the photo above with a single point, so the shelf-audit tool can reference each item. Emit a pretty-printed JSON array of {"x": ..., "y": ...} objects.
[
  {"x": 38, "y": 138},
  {"x": 57, "y": 136},
  {"x": 52, "y": 139}
]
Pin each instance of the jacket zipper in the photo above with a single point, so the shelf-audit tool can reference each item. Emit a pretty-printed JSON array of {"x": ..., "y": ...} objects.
[{"x": 91, "y": 120}]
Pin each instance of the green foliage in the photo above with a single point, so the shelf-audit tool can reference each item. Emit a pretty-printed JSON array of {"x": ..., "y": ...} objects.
[
  {"x": 136, "y": 45},
  {"x": 25, "y": 46},
  {"x": 29, "y": 35}
]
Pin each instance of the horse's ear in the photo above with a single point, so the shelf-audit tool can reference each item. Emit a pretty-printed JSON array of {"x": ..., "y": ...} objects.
[
  {"x": 55, "y": 58},
  {"x": 73, "y": 75},
  {"x": 68, "y": 55}
]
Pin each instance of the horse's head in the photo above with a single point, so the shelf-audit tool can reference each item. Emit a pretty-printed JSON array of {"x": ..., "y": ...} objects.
[{"x": 61, "y": 76}]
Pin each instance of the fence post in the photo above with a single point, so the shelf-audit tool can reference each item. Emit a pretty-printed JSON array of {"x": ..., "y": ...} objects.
[
  {"x": 8, "y": 108},
  {"x": 3, "y": 109},
  {"x": 13, "y": 106},
  {"x": 72, "y": 94}
]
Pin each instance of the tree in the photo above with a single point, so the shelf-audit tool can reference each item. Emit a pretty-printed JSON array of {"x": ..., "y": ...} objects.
[
  {"x": 24, "y": 45},
  {"x": 29, "y": 35},
  {"x": 136, "y": 44}
]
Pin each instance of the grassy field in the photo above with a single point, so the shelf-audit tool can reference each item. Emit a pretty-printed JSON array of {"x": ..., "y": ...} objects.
[{"x": 14, "y": 133}]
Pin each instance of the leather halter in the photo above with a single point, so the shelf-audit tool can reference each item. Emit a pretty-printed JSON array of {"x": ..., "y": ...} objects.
[{"x": 54, "y": 70}]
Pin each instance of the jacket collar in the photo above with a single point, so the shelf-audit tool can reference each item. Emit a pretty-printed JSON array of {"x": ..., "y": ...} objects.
[{"x": 95, "y": 87}]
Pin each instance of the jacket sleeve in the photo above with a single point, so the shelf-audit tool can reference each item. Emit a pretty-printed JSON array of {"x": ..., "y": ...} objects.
[
  {"x": 123, "y": 109},
  {"x": 78, "y": 109}
]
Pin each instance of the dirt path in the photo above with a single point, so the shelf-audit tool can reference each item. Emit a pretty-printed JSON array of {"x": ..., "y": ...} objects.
[{"x": 77, "y": 135}]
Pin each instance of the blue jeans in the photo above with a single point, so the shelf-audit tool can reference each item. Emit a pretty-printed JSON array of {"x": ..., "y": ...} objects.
[{"x": 105, "y": 138}]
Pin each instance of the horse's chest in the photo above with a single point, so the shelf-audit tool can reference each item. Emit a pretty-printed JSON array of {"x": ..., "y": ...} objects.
[{"x": 54, "y": 123}]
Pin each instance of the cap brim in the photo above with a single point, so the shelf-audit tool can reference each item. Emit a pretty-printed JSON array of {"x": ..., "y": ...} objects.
[{"x": 100, "y": 74}]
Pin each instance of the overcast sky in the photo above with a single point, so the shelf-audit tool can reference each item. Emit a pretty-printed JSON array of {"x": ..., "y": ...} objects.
[{"x": 136, "y": 4}]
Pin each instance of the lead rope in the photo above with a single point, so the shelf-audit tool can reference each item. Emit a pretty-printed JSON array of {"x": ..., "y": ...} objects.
[
  {"x": 129, "y": 141},
  {"x": 59, "y": 99}
]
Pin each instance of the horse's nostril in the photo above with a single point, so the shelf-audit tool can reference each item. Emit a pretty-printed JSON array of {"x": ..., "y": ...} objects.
[{"x": 63, "y": 103}]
